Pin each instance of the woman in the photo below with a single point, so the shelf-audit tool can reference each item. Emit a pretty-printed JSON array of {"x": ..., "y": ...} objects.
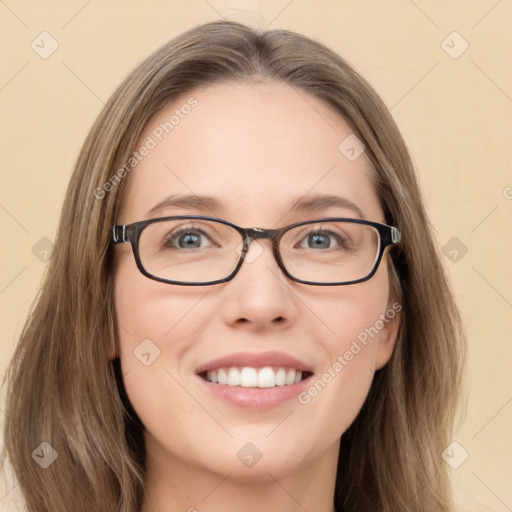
[{"x": 245, "y": 307}]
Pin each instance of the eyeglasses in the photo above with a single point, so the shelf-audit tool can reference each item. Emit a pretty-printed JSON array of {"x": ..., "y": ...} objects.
[{"x": 193, "y": 250}]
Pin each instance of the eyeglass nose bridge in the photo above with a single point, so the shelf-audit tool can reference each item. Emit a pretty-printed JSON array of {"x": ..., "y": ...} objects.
[
  {"x": 260, "y": 233},
  {"x": 251, "y": 234}
]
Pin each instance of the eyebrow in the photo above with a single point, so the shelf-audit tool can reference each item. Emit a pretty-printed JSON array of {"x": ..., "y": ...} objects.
[
  {"x": 322, "y": 202},
  {"x": 311, "y": 203}
]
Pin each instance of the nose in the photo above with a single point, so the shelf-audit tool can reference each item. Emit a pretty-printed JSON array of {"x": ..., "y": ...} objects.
[{"x": 260, "y": 296}]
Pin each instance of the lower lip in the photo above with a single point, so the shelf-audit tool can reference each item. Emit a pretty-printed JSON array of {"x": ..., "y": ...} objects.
[{"x": 256, "y": 398}]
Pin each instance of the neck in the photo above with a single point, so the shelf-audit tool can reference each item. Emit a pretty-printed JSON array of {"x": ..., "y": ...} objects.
[{"x": 173, "y": 484}]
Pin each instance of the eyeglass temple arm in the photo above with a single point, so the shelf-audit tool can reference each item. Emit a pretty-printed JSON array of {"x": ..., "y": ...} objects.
[
  {"x": 395, "y": 235},
  {"x": 119, "y": 234}
]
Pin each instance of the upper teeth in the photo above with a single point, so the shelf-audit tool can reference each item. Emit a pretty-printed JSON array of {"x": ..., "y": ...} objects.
[{"x": 249, "y": 377}]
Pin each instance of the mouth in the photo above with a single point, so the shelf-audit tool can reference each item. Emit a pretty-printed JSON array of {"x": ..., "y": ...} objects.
[
  {"x": 253, "y": 377},
  {"x": 255, "y": 381}
]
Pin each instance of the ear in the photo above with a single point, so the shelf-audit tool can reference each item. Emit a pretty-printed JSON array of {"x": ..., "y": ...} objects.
[{"x": 388, "y": 335}]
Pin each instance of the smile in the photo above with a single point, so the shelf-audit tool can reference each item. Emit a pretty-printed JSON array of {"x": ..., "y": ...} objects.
[{"x": 251, "y": 377}]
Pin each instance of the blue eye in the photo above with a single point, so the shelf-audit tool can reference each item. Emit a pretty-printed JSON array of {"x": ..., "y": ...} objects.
[
  {"x": 317, "y": 240},
  {"x": 186, "y": 238},
  {"x": 323, "y": 240}
]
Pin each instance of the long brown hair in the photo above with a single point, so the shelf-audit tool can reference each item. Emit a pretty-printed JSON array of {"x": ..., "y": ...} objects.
[{"x": 64, "y": 390}]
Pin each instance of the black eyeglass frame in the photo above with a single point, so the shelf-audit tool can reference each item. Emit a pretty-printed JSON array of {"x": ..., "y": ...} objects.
[{"x": 388, "y": 235}]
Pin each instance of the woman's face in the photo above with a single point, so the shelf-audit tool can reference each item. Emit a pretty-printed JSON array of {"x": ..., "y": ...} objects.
[{"x": 255, "y": 148}]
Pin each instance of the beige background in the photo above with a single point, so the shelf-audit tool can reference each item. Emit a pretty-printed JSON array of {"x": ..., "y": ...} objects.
[{"x": 455, "y": 114}]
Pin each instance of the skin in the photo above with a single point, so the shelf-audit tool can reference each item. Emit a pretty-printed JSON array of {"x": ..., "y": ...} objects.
[{"x": 255, "y": 146}]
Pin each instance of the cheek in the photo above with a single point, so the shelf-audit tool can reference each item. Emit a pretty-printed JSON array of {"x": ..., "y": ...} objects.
[
  {"x": 338, "y": 392},
  {"x": 336, "y": 396},
  {"x": 354, "y": 318},
  {"x": 146, "y": 309},
  {"x": 155, "y": 333},
  {"x": 154, "y": 337}
]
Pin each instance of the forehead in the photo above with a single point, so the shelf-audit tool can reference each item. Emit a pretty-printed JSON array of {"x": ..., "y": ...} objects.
[{"x": 255, "y": 147}]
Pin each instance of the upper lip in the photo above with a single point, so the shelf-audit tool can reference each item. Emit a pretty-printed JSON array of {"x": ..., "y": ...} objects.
[{"x": 278, "y": 359}]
